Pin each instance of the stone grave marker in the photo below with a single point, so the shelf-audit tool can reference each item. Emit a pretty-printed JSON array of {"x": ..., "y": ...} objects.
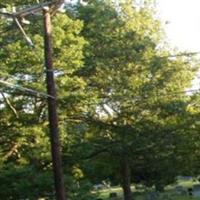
[
  {"x": 180, "y": 190},
  {"x": 152, "y": 196},
  {"x": 196, "y": 190}
]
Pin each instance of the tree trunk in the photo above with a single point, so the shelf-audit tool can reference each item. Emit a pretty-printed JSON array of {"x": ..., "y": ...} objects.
[{"x": 126, "y": 179}]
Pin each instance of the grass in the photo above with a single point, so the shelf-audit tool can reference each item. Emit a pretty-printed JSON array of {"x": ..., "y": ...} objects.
[
  {"x": 104, "y": 194},
  {"x": 139, "y": 195}
]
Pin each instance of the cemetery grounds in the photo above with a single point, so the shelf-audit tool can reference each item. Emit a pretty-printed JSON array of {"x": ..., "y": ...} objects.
[{"x": 172, "y": 192}]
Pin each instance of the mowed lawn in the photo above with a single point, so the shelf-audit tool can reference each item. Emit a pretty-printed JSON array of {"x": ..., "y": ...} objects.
[{"x": 140, "y": 194}]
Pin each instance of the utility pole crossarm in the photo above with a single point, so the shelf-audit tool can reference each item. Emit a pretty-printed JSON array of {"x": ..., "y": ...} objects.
[
  {"x": 34, "y": 9},
  {"x": 57, "y": 4},
  {"x": 5, "y": 14}
]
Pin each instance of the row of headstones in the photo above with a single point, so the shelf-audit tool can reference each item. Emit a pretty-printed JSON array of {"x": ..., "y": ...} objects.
[
  {"x": 180, "y": 190},
  {"x": 148, "y": 196},
  {"x": 195, "y": 191}
]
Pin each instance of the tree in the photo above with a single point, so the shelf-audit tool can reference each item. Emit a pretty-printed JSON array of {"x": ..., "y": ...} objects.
[
  {"x": 25, "y": 144},
  {"x": 121, "y": 100},
  {"x": 131, "y": 79}
]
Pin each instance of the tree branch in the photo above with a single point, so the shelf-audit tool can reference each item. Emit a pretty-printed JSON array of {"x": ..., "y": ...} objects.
[
  {"x": 10, "y": 153},
  {"x": 9, "y": 104}
]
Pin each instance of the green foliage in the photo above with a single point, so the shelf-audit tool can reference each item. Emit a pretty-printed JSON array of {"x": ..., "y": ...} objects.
[
  {"x": 25, "y": 182},
  {"x": 80, "y": 189},
  {"x": 25, "y": 147},
  {"x": 139, "y": 91},
  {"x": 120, "y": 97}
]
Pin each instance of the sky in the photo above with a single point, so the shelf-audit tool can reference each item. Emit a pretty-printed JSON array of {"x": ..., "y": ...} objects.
[{"x": 183, "y": 27}]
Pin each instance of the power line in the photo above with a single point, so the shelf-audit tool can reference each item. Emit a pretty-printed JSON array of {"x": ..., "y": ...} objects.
[
  {"x": 115, "y": 100},
  {"x": 188, "y": 54},
  {"x": 28, "y": 10},
  {"x": 8, "y": 76},
  {"x": 24, "y": 89},
  {"x": 28, "y": 39}
]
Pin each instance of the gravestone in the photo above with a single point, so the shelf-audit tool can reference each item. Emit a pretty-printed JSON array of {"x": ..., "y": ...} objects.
[
  {"x": 152, "y": 196},
  {"x": 196, "y": 187},
  {"x": 180, "y": 190},
  {"x": 98, "y": 187},
  {"x": 184, "y": 178},
  {"x": 166, "y": 196},
  {"x": 196, "y": 190}
]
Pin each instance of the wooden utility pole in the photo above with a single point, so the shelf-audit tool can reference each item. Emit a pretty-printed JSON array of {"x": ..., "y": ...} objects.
[
  {"x": 51, "y": 90},
  {"x": 53, "y": 118}
]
